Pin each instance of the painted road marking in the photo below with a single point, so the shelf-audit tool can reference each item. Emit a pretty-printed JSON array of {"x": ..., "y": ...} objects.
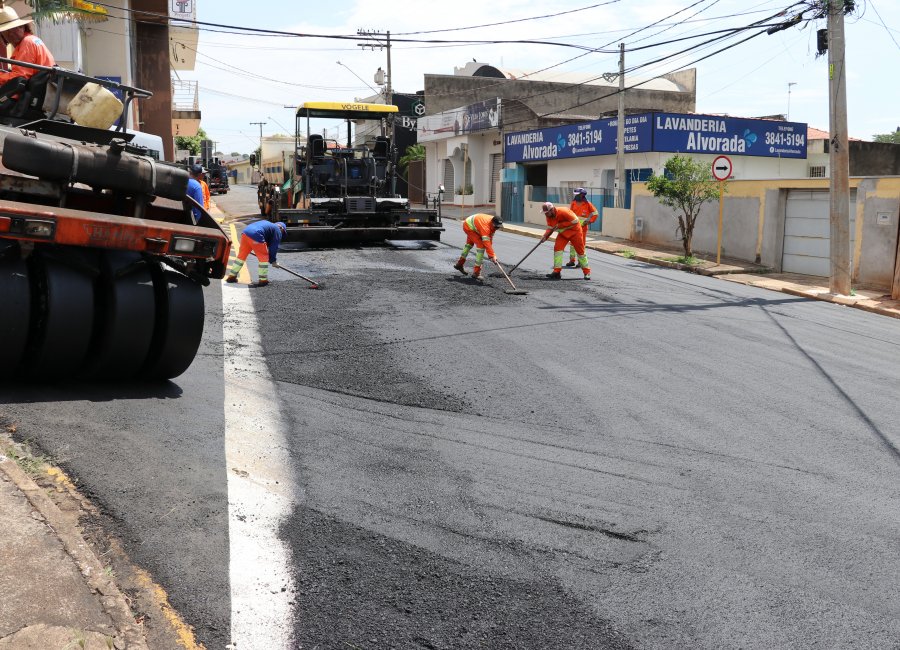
[{"x": 261, "y": 488}]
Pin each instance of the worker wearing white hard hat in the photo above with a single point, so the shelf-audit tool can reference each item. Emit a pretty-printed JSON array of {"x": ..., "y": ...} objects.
[{"x": 28, "y": 48}]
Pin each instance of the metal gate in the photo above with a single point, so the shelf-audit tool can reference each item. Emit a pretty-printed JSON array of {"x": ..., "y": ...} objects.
[
  {"x": 807, "y": 232},
  {"x": 496, "y": 166},
  {"x": 512, "y": 204},
  {"x": 449, "y": 179}
]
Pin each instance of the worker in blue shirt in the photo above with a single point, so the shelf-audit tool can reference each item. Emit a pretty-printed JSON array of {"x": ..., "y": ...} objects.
[
  {"x": 263, "y": 238},
  {"x": 195, "y": 191}
]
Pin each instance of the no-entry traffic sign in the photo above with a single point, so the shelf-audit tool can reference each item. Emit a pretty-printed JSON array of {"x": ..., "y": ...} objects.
[{"x": 721, "y": 168}]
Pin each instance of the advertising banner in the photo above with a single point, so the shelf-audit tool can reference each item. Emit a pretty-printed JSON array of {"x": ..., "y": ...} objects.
[
  {"x": 595, "y": 138},
  {"x": 665, "y": 132},
  {"x": 690, "y": 134},
  {"x": 480, "y": 116}
]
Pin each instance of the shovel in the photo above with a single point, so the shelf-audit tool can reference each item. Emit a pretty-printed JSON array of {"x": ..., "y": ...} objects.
[{"x": 513, "y": 291}]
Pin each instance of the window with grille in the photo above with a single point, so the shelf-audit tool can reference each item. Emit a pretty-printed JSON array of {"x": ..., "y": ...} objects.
[{"x": 817, "y": 171}]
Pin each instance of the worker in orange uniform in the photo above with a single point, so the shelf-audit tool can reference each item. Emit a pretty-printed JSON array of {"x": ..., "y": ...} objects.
[
  {"x": 568, "y": 231},
  {"x": 28, "y": 48},
  {"x": 197, "y": 173},
  {"x": 479, "y": 229},
  {"x": 587, "y": 214}
]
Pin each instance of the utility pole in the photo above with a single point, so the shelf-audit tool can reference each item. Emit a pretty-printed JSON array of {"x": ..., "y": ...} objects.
[
  {"x": 372, "y": 43},
  {"x": 259, "y": 162},
  {"x": 839, "y": 154},
  {"x": 620, "y": 134}
]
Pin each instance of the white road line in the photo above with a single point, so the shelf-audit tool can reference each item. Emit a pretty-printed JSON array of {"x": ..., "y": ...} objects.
[{"x": 261, "y": 488}]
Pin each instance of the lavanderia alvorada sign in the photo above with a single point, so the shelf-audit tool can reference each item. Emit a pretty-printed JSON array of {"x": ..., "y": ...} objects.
[{"x": 669, "y": 132}]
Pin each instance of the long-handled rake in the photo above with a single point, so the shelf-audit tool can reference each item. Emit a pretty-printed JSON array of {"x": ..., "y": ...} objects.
[
  {"x": 312, "y": 283},
  {"x": 513, "y": 291},
  {"x": 527, "y": 254}
]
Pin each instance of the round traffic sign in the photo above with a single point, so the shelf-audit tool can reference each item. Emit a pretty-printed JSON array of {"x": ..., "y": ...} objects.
[{"x": 721, "y": 168}]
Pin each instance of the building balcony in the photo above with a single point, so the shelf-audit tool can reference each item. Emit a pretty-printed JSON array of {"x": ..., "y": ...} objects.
[{"x": 185, "y": 108}]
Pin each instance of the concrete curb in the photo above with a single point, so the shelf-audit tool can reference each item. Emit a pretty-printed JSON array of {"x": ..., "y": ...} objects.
[
  {"x": 112, "y": 600},
  {"x": 865, "y": 304}
]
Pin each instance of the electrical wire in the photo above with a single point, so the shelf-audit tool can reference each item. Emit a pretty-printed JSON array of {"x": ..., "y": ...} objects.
[
  {"x": 510, "y": 22},
  {"x": 883, "y": 23}
]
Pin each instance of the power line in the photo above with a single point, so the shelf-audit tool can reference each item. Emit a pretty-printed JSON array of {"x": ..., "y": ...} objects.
[
  {"x": 885, "y": 26},
  {"x": 510, "y": 22}
]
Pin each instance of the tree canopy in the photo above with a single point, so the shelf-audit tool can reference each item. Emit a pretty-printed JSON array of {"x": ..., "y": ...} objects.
[
  {"x": 888, "y": 137},
  {"x": 191, "y": 143},
  {"x": 685, "y": 185}
]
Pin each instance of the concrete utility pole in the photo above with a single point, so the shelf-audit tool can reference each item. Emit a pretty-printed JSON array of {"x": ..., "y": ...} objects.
[
  {"x": 372, "y": 44},
  {"x": 260, "y": 138},
  {"x": 839, "y": 156},
  {"x": 620, "y": 134}
]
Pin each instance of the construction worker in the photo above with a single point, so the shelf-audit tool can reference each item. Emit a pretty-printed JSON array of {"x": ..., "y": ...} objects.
[
  {"x": 197, "y": 173},
  {"x": 479, "y": 229},
  {"x": 195, "y": 191},
  {"x": 263, "y": 238},
  {"x": 568, "y": 231},
  {"x": 28, "y": 48},
  {"x": 587, "y": 214}
]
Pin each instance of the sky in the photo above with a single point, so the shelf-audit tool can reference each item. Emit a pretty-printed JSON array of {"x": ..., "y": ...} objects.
[{"x": 251, "y": 78}]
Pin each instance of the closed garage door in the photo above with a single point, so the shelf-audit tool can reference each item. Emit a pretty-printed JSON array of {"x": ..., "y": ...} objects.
[
  {"x": 496, "y": 166},
  {"x": 807, "y": 232}
]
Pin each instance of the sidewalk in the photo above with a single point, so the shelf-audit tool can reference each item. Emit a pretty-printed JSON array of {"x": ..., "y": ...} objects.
[
  {"x": 807, "y": 286},
  {"x": 54, "y": 591}
]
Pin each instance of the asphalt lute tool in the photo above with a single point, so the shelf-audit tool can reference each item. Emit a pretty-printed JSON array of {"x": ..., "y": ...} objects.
[{"x": 513, "y": 291}]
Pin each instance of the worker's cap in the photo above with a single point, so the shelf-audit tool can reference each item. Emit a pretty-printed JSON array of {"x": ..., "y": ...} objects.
[
  {"x": 196, "y": 170},
  {"x": 547, "y": 207},
  {"x": 283, "y": 227},
  {"x": 9, "y": 19},
  {"x": 497, "y": 221},
  {"x": 579, "y": 190}
]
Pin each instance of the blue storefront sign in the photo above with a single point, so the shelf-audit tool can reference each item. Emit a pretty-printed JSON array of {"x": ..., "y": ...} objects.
[
  {"x": 595, "y": 138},
  {"x": 681, "y": 133},
  {"x": 665, "y": 132}
]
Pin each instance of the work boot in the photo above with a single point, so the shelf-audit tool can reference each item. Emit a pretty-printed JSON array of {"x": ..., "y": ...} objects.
[
  {"x": 477, "y": 274},
  {"x": 231, "y": 278},
  {"x": 459, "y": 267},
  {"x": 262, "y": 283},
  {"x": 556, "y": 275},
  {"x": 572, "y": 263},
  {"x": 587, "y": 276}
]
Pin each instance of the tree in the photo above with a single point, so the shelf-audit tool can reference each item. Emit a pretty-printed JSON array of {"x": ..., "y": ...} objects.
[
  {"x": 685, "y": 185},
  {"x": 413, "y": 152},
  {"x": 888, "y": 137},
  {"x": 192, "y": 142}
]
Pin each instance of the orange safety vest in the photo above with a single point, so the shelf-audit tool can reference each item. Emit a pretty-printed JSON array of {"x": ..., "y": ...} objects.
[
  {"x": 562, "y": 220},
  {"x": 30, "y": 49},
  {"x": 206, "y": 198},
  {"x": 585, "y": 210},
  {"x": 482, "y": 224}
]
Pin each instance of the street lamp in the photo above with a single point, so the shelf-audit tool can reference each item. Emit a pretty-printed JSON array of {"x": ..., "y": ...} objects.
[{"x": 790, "y": 83}]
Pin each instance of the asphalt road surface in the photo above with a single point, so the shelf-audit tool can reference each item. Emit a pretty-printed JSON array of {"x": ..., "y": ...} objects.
[{"x": 407, "y": 458}]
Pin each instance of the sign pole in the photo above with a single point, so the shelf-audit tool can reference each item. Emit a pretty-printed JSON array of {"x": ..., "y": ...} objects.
[
  {"x": 719, "y": 245},
  {"x": 721, "y": 171}
]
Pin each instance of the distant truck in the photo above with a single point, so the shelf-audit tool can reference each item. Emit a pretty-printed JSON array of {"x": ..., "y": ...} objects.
[
  {"x": 343, "y": 193},
  {"x": 217, "y": 177}
]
